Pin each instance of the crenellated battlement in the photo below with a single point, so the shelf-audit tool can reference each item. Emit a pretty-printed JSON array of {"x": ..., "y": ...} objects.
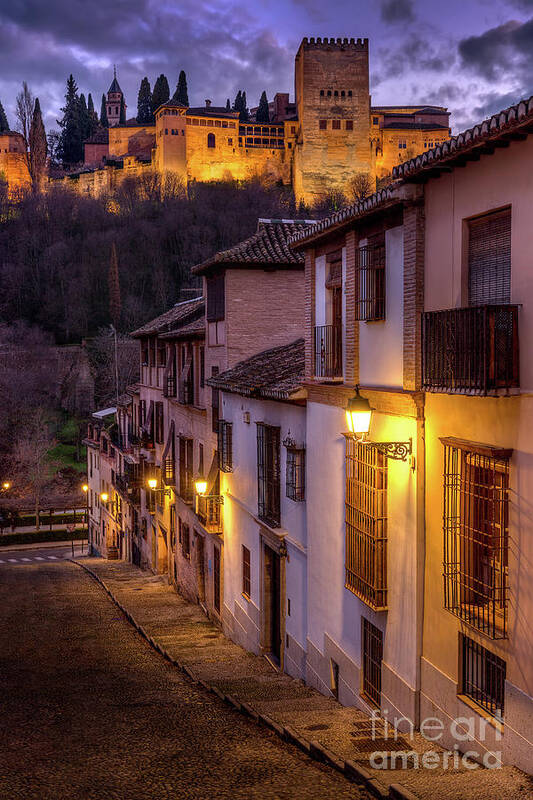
[{"x": 325, "y": 42}]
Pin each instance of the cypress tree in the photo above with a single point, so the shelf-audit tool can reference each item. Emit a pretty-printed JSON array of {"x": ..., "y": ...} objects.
[
  {"x": 93, "y": 117},
  {"x": 144, "y": 104},
  {"x": 244, "y": 115},
  {"x": 263, "y": 112},
  {"x": 104, "y": 122},
  {"x": 122, "y": 118},
  {"x": 84, "y": 119},
  {"x": 4, "y": 125},
  {"x": 237, "y": 103},
  {"x": 181, "y": 94},
  {"x": 71, "y": 143},
  {"x": 228, "y": 105},
  {"x": 161, "y": 92},
  {"x": 38, "y": 146}
]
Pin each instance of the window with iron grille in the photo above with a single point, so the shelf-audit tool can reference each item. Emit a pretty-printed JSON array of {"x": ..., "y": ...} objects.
[
  {"x": 366, "y": 523},
  {"x": 489, "y": 259},
  {"x": 483, "y": 677},
  {"x": 295, "y": 474},
  {"x": 268, "y": 473},
  {"x": 186, "y": 469},
  {"x": 476, "y": 536},
  {"x": 225, "y": 446},
  {"x": 144, "y": 352},
  {"x": 215, "y": 298},
  {"x": 246, "y": 573},
  {"x": 159, "y": 423},
  {"x": 185, "y": 541},
  {"x": 142, "y": 412},
  {"x": 370, "y": 281},
  {"x": 372, "y": 657}
]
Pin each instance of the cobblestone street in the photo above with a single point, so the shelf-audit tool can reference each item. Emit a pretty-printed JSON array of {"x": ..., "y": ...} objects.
[{"x": 89, "y": 710}]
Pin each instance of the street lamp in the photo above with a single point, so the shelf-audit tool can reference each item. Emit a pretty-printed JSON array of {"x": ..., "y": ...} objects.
[
  {"x": 359, "y": 417},
  {"x": 200, "y": 485},
  {"x": 6, "y": 486},
  {"x": 85, "y": 490}
]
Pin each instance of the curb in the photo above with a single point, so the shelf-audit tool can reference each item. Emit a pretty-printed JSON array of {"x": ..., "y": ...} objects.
[{"x": 351, "y": 771}]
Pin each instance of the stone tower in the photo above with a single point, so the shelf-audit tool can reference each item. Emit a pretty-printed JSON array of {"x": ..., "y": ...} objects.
[
  {"x": 170, "y": 137},
  {"x": 114, "y": 99},
  {"x": 333, "y": 106}
]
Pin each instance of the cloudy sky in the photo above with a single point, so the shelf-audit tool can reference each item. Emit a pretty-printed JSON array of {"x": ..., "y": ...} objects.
[{"x": 474, "y": 56}]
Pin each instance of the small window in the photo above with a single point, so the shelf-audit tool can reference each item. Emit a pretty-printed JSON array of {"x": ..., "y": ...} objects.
[
  {"x": 322, "y": 124},
  {"x": 372, "y": 657},
  {"x": 166, "y": 131},
  {"x": 295, "y": 475},
  {"x": 349, "y": 92},
  {"x": 225, "y": 446},
  {"x": 329, "y": 92},
  {"x": 144, "y": 353},
  {"x": 375, "y": 120},
  {"x": 246, "y": 573},
  {"x": 483, "y": 675},
  {"x": 268, "y": 473},
  {"x": 322, "y": 93},
  {"x": 489, "y": 259},
  {"x": 370, "y": 281},
  {"x": 159, "y": 423},
  {"x": 343, "y": 93},
  {"x": 210, "y": 139},
  {"x": 336, "y": 124},
  {"x": 185, "y": 541},
  {"x": 230, "y": 141},
  {"x": 349, "y": 124},
  {"x": 335, "y": 93}
]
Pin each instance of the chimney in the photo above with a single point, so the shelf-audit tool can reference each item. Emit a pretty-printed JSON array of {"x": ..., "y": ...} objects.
[{"x": 207, "y": 103}]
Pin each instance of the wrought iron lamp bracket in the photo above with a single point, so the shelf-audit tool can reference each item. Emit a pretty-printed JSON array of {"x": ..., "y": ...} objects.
[{"x": 396, "y": 450}]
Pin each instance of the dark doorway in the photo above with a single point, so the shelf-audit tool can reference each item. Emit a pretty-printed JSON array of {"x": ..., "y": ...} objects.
[
  {"x": 272, "y": 603},
  {"x": 200, "y": 567}
]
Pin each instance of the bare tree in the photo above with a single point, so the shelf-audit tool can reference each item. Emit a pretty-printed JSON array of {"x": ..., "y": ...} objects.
[
  {"x": 24, "y": 113},
  {"x": 360, "y": 186},
  {"x": 31, "y": 458},
  {"x": 102, "y": 353}
]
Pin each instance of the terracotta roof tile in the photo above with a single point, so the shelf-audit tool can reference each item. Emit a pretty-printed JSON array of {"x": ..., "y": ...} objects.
[
  {"x": 513, "y": 120},
  {"x": 193, "y": 328},
  {"x": 269, "y": 245},
  {"x": 275, "y": 373},
  {"x": 170, "y": 319}
]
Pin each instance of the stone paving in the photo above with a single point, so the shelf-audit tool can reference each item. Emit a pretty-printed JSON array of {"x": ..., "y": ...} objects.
[
  {"x": 89, "y": 711},
  {"x": 299, "y": 714}
]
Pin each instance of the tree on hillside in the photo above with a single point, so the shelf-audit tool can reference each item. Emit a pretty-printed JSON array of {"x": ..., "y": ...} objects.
[
  {"x": 93, "y": 116},
  {"x": 31, "y": 456},
  {"x": 38, "y": 147},
  {"x": 237, "y": 103},
  {"x": 113, "y": 281},
  {"x": 144, "y": 104},
  {"x": 228, "y": 105},
  {"x": 161, "y": 92},
  {"x": 4, "y": 125},
  {"x": 360, "y": 186},
  {"x": 104, "y": 122},
  {"x": 25, "y": 103},
  {"x": 240, "y": 106},
  {"x": 263, "y": 112},
  {"x": 71, "y": 142},
  {"x": 181, "y": 94}
]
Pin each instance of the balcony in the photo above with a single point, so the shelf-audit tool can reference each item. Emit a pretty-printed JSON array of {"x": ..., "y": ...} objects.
[
  {"x": 208, "y": 512},
  {"x": 169, "y": 389},
  {"x": 328, "y": 351},
  {"x": 470, "y": 350}
]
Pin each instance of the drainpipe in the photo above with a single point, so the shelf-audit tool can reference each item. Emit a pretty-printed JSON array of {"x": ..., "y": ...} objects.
[{"x": 420, "y": 472}]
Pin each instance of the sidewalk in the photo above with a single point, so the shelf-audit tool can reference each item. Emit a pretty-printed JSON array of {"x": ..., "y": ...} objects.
[{"x": 328, "y": 731}]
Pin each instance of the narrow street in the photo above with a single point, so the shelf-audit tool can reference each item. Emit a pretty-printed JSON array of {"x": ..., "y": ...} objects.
[{"x": 89, "y": 710}]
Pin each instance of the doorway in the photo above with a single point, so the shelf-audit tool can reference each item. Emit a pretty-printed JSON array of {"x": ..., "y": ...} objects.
[
  {"x": 216, "y": 579},
  {"x": 272, "y": 603}
]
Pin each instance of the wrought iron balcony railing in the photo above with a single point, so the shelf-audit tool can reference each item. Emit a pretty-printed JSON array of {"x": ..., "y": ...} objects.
[
  {"x": 209, "y": 513},
  {"x": 470, "y": 350},
  {"x": 328, "y": 351}
]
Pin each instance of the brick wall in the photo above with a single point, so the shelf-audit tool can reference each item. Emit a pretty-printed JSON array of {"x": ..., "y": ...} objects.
[
  {"x": 351, "y": 326},
  {"x": 413, "y": 287},
  {"x": 309, "y": 310}
]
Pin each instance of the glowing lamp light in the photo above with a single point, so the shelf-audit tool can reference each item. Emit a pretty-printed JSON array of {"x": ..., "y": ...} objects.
[
  {"x": 358, "y": 414},
  {"x": 105, "y": 497},
  {"x": 200, "y": 485},
  {"x": 152, "y": 483},
  {"x": 6, "y": 485},
  {"x": 85, "y": 488}
]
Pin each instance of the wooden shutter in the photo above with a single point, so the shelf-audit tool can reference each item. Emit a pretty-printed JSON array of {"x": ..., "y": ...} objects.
[
  {"x": 215, "y": 298},
  {"x": 489, "y": 259}
]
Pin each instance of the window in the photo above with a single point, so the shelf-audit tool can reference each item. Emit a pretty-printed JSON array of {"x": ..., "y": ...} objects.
[
  {"x": 336, "y": 124},
  {"x": 349, "y": 124},
  {"x": 370, "y": 281},
  {"x": 185, "y": 540},
  {"x": 142, "y": 412},
  {"x": 366, "y": 523},
  {"x": 489, "y": 259},
  {"x": 230, "y": 141},
  {"x": 372, "y": 641},
  {"x": 144, "y": 353},
  {"x": 246, "y": 577},
  {"x": 375, "y": 120},
  {"x": 210, "y": 139},
  {"x": 268, "y": 473},
  {"x": 161, "y": 354},
  {"x": 476, "y": 536},
  {"x": 483, "y": 677},
  {"x": 225, "y": 446},
  {"x": 172, "y": 527},
  {"x": 159, "y": 423},
  {"x": 201, "y": 459},
  {"x": 186, "y": 468},
  {"x": 295, "y": 475},
  {"x": 322, "y": 93},
  {"x": 349, "y": 92},
  {"x": 215, "y": 298},
  {"x": 322, "y": 124},
  {"x": 215, "y": 403},
  {"x": 402, "y": 144}
]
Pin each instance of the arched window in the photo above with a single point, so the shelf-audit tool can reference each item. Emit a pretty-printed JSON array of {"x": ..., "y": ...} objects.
[{"x": 210, "y": 139}]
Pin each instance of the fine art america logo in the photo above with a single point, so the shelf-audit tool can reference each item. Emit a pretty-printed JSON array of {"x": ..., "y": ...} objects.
[{"x": 461, "y": 730}]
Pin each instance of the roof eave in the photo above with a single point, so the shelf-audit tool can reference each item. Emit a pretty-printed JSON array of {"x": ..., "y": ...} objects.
[{"x": 213, "y": 265}]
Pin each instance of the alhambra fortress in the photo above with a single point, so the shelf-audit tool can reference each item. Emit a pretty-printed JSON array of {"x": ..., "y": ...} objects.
[{"x": 318, "y": 143}]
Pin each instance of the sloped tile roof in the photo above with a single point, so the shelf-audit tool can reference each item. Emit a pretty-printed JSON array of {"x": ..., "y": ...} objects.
[
  {"x": 513, "y": 122},
  {"x": 269, "y": 245},
  {"x": 194, "y": 328},
  {"x": 384, "y": 197},
  {"x": 170, "y": 319},
  {"x": 275, "y": 373}
]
